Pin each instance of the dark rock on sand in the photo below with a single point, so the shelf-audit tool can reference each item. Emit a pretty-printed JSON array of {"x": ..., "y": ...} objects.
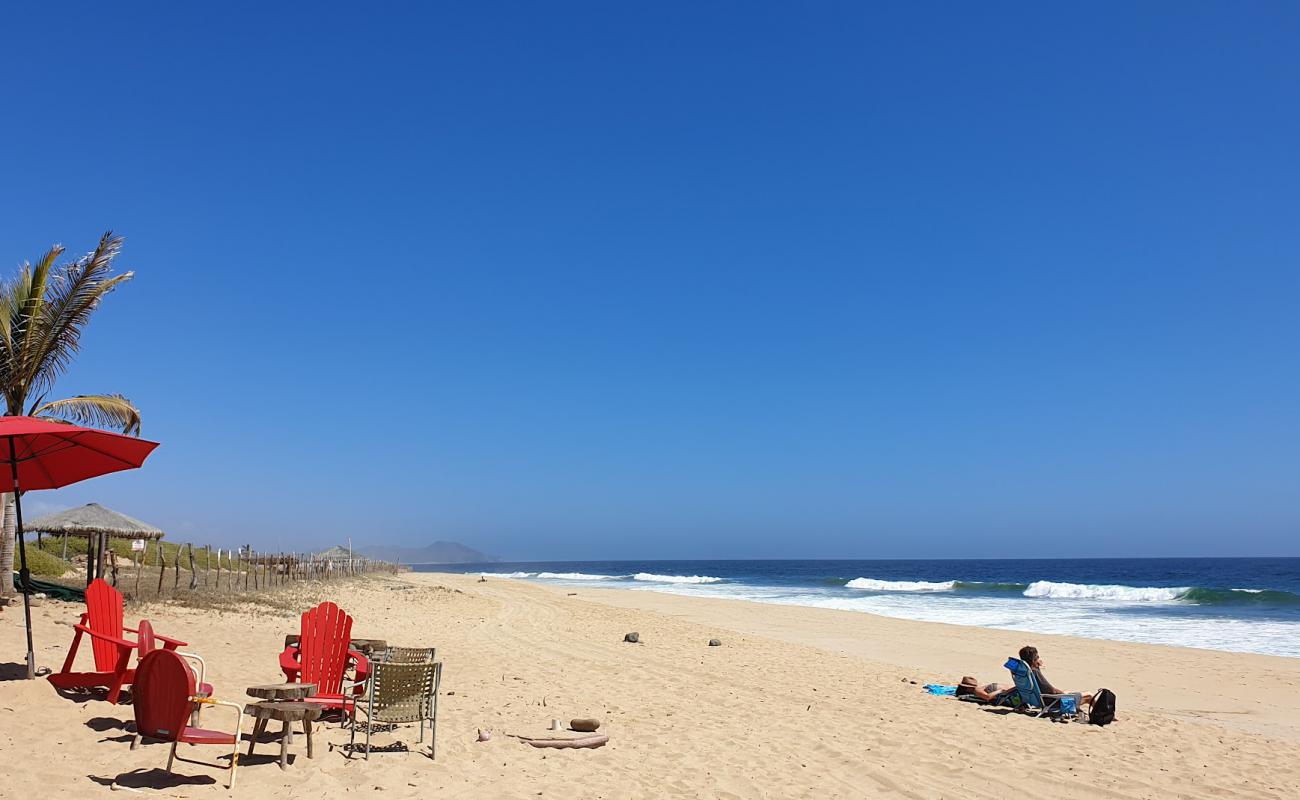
[
  {"x": 586, "y": 725},
  {"x": 632, "y": 637},
  {"x": 715, "y": 643}
]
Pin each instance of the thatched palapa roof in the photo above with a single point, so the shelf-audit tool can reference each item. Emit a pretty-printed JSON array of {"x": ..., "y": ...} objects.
[
  {"x": 92, "y": 519},
  {"x": 334, "y": 553}
]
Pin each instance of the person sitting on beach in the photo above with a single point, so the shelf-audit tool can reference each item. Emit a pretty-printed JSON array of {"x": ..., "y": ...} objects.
[
  {"x": 989, "y": 693},
  {"x": 1030, "y": 656}
]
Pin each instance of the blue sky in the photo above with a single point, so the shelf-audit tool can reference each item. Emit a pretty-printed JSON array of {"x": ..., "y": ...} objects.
[{"x": 683, "y": 280}]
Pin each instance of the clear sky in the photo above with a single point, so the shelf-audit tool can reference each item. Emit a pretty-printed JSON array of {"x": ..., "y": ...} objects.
[{"x": 634, "y": 280}]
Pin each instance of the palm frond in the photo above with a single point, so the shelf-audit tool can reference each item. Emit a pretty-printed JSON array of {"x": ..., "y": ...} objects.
[
  {"x": 108, "y": 411},
  {"x": 67, "y": 299},
  {"x": 15, "y": 322}
]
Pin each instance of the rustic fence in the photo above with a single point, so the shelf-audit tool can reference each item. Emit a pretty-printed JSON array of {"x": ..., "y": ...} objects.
[{"x": 189, "y": 569}]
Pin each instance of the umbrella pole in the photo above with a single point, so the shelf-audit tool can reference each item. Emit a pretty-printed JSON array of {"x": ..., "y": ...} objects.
[{"x": 24, "y": 575}]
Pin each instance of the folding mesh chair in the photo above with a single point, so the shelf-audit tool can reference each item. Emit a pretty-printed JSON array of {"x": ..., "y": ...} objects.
[
  {"x": 409, "y": 655},
  {"x": 402, "y": 693}
]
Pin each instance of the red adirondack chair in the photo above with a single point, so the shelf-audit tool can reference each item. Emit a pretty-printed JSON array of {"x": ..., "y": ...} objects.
[
  {"x": 322, "y": 657},
  {"x": 102, "y": 621},
  {"x": 165, "y": 700}
]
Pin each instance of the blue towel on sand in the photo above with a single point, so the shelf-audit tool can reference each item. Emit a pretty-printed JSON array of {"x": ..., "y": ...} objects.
[{"x": 939, "y": 689}]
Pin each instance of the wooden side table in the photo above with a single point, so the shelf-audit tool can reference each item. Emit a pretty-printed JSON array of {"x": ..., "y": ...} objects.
[
  {"x": 282, "y": 691},
  {"x": 287, "y": 712}
]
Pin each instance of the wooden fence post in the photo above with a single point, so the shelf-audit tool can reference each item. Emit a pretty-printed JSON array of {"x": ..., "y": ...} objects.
[
  {"x": 139, "y": 566},
  {"x": 162, "y": 567},
  {"x": 194, "y": 575}
]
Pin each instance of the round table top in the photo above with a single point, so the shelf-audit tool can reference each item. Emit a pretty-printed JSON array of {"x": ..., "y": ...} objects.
[
  {"x": 282, "y": 691},
  {"x": 364, "y": 646},
  {"x": 287, "y": 711}
]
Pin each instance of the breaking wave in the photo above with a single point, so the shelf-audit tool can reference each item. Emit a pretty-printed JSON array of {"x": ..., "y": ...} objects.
[
  {"x": 873, "y": 585},
  {"x": 576, "y": 576},
  {"x": 648, "y": 576},
  {"x": 1101, "y": 591}
]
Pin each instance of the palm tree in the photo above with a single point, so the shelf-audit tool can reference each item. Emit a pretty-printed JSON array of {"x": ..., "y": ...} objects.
[{"x": 43, "y": 312}]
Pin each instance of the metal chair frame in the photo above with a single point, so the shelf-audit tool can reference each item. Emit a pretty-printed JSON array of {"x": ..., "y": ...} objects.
[{"x": 418, "y": 679}]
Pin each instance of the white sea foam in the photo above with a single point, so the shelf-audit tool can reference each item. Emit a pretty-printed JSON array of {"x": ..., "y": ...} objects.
[
  {"x": 647, "y": 576},
  {"x": 1074, "y": 609},
  {"x": 575, "y": 576},
  {"x": 1090, "y": 591},
  {"x": 873, "y": 585}
]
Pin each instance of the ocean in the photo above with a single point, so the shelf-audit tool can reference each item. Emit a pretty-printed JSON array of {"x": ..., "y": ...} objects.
[{"x": 1249, "y": 605}]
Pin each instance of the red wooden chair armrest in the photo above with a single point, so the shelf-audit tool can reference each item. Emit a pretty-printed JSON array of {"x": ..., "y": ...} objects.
[
  {"x": 362, "y": 671},
  {"x": 289, "y": 663},
  {"x": 169, "y": 643},
  {"x": 120, "y": 642}
]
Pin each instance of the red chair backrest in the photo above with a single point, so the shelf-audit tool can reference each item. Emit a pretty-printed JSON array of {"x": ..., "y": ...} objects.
[
  {"x": 104, "y": 615},
  {"x": 161, "y": 695},
  {"x": 144, "y": 636},
  {"x": 323, "y": 647}
]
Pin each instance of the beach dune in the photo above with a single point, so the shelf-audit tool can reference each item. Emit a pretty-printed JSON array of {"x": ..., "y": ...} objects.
[{"x": 797, "y": 702}]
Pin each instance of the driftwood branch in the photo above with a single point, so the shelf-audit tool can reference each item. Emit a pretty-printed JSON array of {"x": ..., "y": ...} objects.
[{"x": 596, "y": 740}]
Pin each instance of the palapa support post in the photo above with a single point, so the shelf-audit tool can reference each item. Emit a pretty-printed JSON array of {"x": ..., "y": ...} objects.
[
  {"x": 24, "y": 574},
  {"x": 102, "y": 555},
  {"x": 90, "y": 558}
]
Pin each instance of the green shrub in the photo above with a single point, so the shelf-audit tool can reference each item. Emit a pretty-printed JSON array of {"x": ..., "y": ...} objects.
[{"x": 43, "y": 564}]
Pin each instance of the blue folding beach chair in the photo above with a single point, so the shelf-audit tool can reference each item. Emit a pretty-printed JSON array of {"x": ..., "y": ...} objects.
[{"x": 1033, "y": 701}]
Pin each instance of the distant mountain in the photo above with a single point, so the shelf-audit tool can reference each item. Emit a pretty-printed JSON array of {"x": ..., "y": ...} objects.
[{"x": 436, "y": 553}]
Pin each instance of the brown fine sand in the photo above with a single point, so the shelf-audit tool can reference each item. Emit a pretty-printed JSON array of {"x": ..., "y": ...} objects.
[{"x": 798, "y": 702}]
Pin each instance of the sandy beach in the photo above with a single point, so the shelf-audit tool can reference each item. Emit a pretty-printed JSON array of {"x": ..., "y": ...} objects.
[{"x": 797, "y": 702}]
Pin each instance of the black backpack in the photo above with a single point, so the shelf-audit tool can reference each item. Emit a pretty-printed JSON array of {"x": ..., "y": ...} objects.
[{"x": 1103, "y": 708}]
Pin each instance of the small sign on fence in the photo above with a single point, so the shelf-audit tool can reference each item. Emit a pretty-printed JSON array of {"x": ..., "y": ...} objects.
[{"x": 137, "y": 544}]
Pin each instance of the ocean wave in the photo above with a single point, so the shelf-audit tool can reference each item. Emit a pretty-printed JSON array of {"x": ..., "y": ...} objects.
[
  {"x": 873, "y": 585},
  {"x": 508, "y": 574},
  {"x": 1103, "y": 591},
  {"x": 1235, "y": 597},
  {"x": 576, "y": 576},
  {"x": 981, "y": 586},
  {"x": 647, "y": 576}
]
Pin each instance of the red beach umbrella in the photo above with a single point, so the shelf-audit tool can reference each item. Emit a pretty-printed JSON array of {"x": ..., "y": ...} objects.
[{"x": 43, "y": 454}]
